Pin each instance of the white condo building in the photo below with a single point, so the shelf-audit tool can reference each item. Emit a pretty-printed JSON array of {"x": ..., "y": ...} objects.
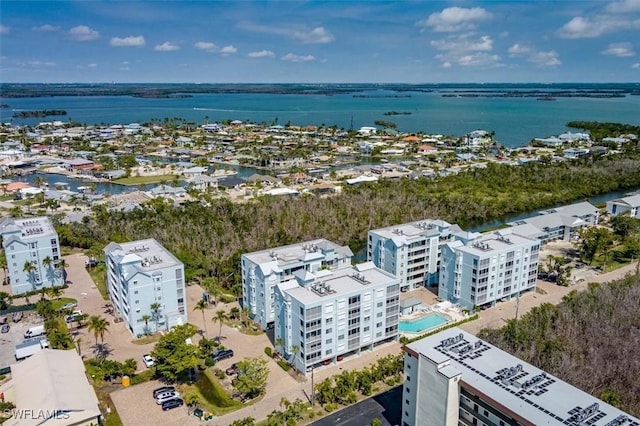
[
  {"x": 411, "y": 251},
  {"x": 140, "y": 274},
  {"x": 324, "y": 315},
  {"x": 455, "y": 379},
  {"x": 32, "y": 251},
  {"x": 498, "y": 265},
  {"x": 263, "y": 270}
]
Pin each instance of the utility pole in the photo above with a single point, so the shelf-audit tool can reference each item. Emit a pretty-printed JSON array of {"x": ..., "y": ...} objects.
[{"x": 313, "y": 391}]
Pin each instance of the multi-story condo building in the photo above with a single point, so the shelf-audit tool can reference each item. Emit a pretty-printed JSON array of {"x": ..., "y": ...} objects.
[
  {"x": 32, "y": 251},
  {"x": 262, "y": 270},
  {"x": 455, "y": 379},
  {"x": 143, "y": 278},
  {"x": 559, "y": 223},
  {"x": 324, "y": 315},
  {"x": 411, "y": 251},
  {"x": 496, "y": 266}
]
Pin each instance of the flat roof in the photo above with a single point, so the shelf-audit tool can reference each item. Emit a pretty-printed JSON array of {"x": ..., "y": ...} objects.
[
  {"x": 31, "y": 228},
  {"x": 329, "y": 285},
  {"x": 526, "y": 390},
  {"x": 402, "y": 234},
  {"x": 294, "y": 253},
  {"x": 496, "y": 242},
  {"x": 150, "y": 253}
]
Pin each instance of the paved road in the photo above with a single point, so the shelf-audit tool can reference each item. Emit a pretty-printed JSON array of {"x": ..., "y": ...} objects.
[{"x": 387, "y": 407}]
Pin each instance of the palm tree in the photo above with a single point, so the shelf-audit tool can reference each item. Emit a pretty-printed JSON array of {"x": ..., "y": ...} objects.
[
  {"x": 146, "y": 318},
  {"x": 54, "y": 292},
  {"x": 47, "y": 262},
  {"x": 98, "y": 326},
  {"x": 220, "y": 316},
  {"x": 78, "y": 348},
  {"x": 29, "y": 268},
  {"x": 294, "y": 351},
  {"x": 60, "y": 339},
  {"x": 61, "y": 265},
  {"x": 201, "y": 306},
  {"x": 280, "y": 344},
  {"x": 155, "y": 313}
]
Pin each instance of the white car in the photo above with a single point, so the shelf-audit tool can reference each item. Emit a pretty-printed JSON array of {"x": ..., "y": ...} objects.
[
  {"x": 70, "y": 305},
  {"x": 148, "y": 360},
  {"x": 168, "y": 396}
]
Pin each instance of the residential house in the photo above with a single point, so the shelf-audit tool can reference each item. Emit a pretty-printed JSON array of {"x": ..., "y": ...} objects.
[{"x": 630, "y": 204}]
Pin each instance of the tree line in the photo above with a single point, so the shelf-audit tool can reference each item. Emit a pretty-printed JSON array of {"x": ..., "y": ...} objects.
[{"x": 209, "y": 235}]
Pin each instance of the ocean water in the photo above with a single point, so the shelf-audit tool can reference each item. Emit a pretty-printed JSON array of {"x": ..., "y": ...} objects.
[{"x": 515, "y": 121}]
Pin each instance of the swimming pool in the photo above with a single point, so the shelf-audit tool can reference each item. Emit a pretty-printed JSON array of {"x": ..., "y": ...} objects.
[{"x": 423, "y": 323}]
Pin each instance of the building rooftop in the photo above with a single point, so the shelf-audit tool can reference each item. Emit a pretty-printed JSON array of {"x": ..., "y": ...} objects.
[
  {"x": 405, "y": 233},
  {"x": 338, "y": 282},
  {"x": 144, "y": 255},
  {"x": 495, "y": 242},
  {"x": 520, "y": 387},
  {"x": 32, "y": 228},
  {"x": 288, "y": 255}
]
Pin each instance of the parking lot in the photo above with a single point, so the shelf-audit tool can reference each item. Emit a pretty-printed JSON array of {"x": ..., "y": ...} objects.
[{"x": 9, "y": 340}]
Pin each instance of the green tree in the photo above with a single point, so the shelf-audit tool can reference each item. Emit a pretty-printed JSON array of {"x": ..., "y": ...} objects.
[
  {"x": 30, "y": 269},
  {"x": 201, "y": 306},
  {"x": 155, "y": 313},
  {"x": 146, "y": 318},
  {"x": 247, "y": 421},
  {"x": 173, "y": 356},
  {"x": 60, "y": 339},
  {"x": 220, "y": 317},
  {"x": 5, "y": 300},
  {"x": 44, "y": 308},
  {"x": 595, "y": 240},
  {"x": 252, "y": 376},
  {"x": 98, "y": 326}
]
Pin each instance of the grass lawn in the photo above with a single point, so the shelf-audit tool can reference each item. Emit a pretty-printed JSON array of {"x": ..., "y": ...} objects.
[
  {"x": 212, "y": 396},
  {"x": 146, "y": 339},
  {"x": 98, "y": 275},
  {"x": 137, "y": 180}
]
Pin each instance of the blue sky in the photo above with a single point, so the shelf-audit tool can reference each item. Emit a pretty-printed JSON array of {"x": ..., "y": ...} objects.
[{"x": 320, "y": 41}]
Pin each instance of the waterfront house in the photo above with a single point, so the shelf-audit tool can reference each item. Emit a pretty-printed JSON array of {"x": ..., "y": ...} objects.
[{"x": 629, "y": 204}]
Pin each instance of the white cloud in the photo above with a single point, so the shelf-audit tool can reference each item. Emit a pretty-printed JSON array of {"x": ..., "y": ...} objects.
[
  {"x": 131, "y": 41},
  {"x": 167, "y": 46},
  {"x": 93, "y": 65},
  {"x": 206, "y": 46},
  {"x": 581, "y": 27},
  {"x": 619, "y": 49},
  {"x": 4, "y": 29},
  {"x": 39, "y": 64},
  {"x": 297, "y": 58},
  {"x": 228, "y": 50},
  {"x": 454, "y": 19},
  {"x": 465, "y": 51},
  {"x": 261, "y": 54},
  {"x": 463, "y": 44},
  {"x": 318, "y": 35},
  {"x": 636, "y": 66},
  {"x": 83, "y": 33},
  {"x": 623, "y": 6},
  {"x": 46, "y": 28},
  {"x": 545, "y": 59},
  {"x": 519, "y": 50}
]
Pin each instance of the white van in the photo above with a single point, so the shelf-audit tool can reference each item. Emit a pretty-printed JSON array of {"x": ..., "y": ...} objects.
[{"x": 36, "y": 331}]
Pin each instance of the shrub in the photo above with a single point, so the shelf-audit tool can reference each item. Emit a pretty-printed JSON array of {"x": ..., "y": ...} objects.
[
  {"x": 268, "y": 351},
  {"x": 209, "y": 362},
  {"x": 219, "y": 373},
  {"x": 284, "y": 365},
  {"x": 331, "y": 407},
  {"x": 145, "y": 376}
]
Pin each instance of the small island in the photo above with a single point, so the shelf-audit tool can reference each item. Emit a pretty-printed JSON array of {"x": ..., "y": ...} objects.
[
  {"x": 39, "y": 113},
  {"x": 397, "y": 113}
]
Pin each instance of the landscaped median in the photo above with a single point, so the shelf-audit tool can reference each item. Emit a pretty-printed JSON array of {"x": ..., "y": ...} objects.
[{"x": 144, "y": 180}]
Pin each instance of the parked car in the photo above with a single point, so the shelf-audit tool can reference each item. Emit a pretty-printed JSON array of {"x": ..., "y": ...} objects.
[
  {"x": 148, "y": 360},
  {"x": 167, "y": 396},
  {"x": 69, "y": 305},
  {"x": 91, "y": 263},
  {"x": 172, "y": 403},
  {"x": 163, "y": 389},
  {"x": 71, "y": 318},
  {"x": 5, "y": 328},
  {"x": 4, "y": 320},
  {"x": 17, "y": 316},
  {"x": 224, "y": 354},
  {"x": 232, "y": 370}
]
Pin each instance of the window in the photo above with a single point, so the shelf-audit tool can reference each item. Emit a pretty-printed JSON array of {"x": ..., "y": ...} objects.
[
  {"x": 137, "y": 302},
  {"x": 135, "y": 292},
  {"x": 407, "y": 390},
  {"x": 406, "y": 401},
  {"x": 328, "y": 341}
]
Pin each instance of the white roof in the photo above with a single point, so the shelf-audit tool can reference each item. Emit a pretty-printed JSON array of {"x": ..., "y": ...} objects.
[
  {"x": 61, "y": 385},
  {"x": 526, "y": 390}
]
